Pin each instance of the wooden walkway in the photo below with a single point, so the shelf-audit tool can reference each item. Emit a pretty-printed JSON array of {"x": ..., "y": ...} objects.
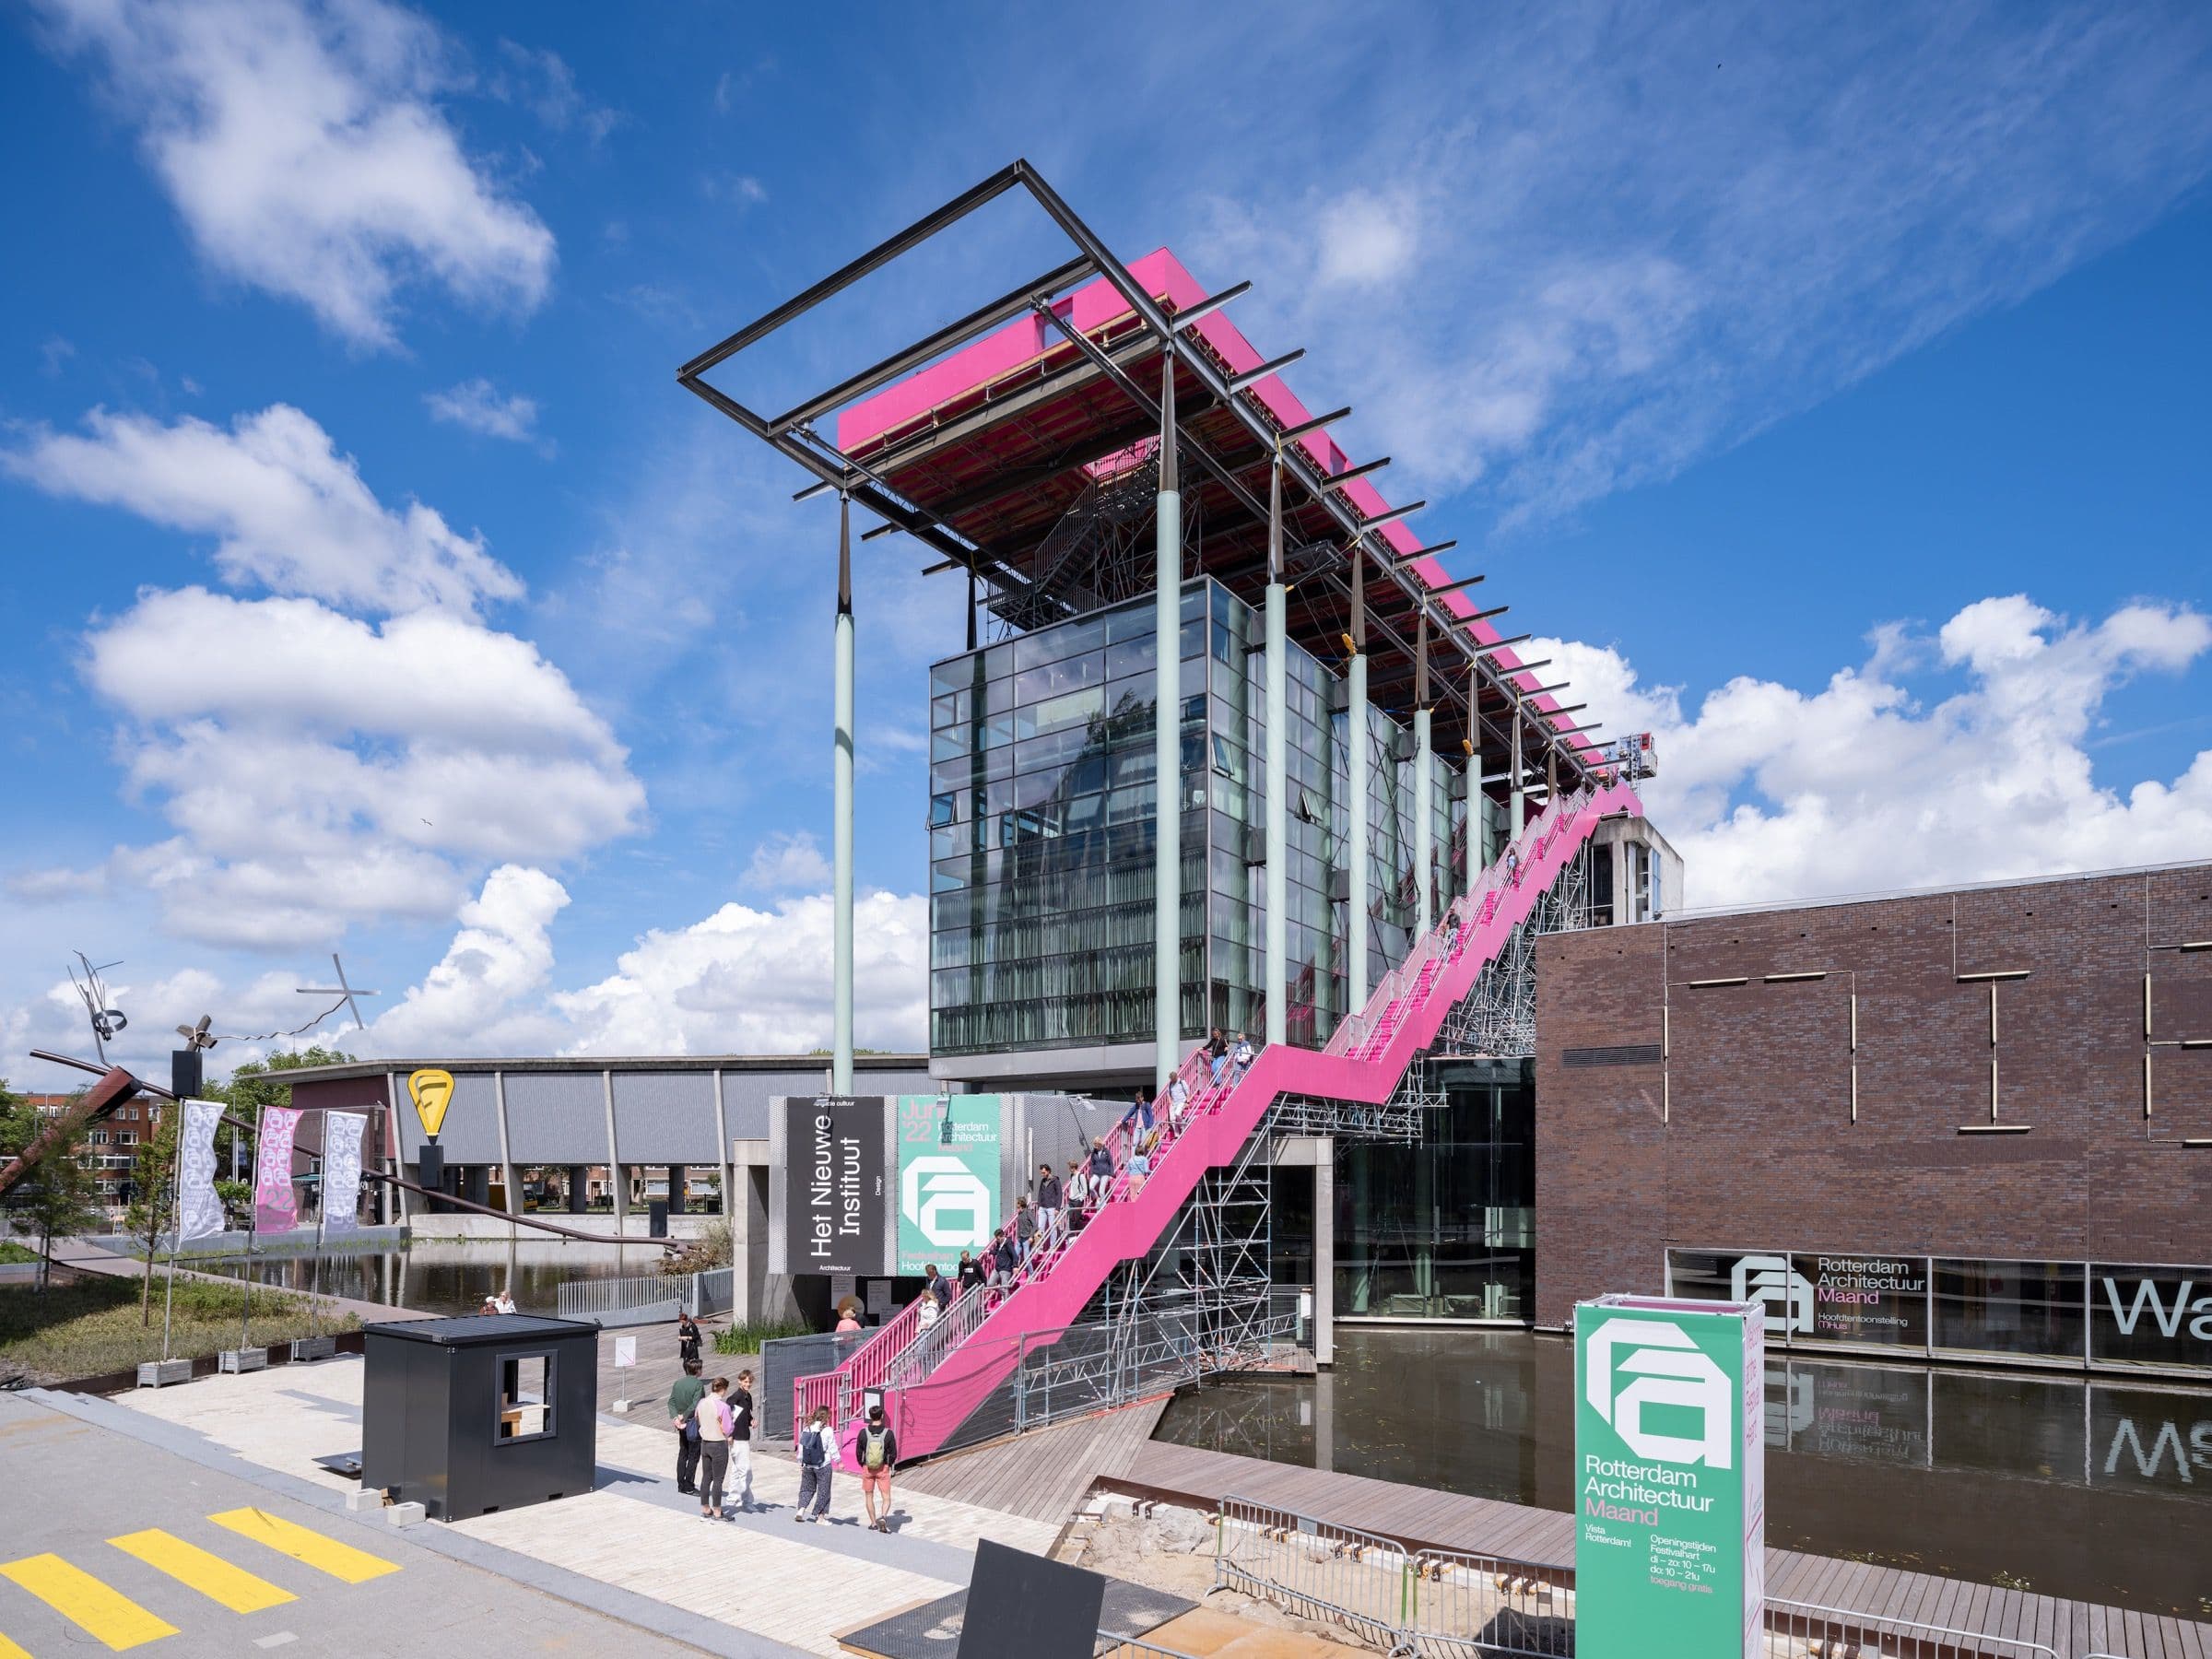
[
  {"x": 1420, "y": 1518},
  {"x": 1044, "y": 1475}
]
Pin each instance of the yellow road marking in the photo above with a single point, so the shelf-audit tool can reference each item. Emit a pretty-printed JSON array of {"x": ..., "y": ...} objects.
[
  {"x": 213, "y": 1577},
  {"x": 327, "y": 1555},
  {"x": 84, "y": 1601},
  {"x": 9, "y": 1650}
]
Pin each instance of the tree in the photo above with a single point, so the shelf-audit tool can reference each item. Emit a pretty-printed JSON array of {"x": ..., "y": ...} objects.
[
  {"x": 153, "y": 1197},
  {"x": 248, "y": 1089},
  {"x": 55, "y": 1200}
]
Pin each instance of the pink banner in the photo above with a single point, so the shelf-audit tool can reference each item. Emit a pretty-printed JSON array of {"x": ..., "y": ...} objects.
[{"x": 275, "y": 1205}]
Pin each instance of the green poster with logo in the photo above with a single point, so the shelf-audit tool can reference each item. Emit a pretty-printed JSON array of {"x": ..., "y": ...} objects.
[
  {"x": 1670, "y": 1471},
  {"x": 948, "y": 1178}
]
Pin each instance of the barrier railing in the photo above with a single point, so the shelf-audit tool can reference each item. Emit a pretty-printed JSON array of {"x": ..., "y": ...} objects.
[
  {"x": 1329, "y": 1573},
  {"x": 653, "y": 1296},
  {"x": 1799, "y": 1629},
  {"x": 1440, "y": 1604},
  {"x": 1465, "y": 1606}
]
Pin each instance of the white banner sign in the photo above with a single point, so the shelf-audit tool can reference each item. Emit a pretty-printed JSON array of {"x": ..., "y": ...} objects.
[
  {"x": 199, "y": 1211},
  {"x": 341, "y": 1172}
]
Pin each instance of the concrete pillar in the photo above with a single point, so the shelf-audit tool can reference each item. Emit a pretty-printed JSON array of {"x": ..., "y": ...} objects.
[
  {"x": 1167, "y": 852},
  {"x": 722, "y": 1140},
  {"x": 1324, "y": 1252},
  {"x": 512, "y": 1186},
  {"x": 396, "y": 1156},
  {"x": 617, "y": 1185},
  {"x": 675, "y": 1189},
  {"x": 841, "y": 811},
  {"x": 1520, "y": 792},
  {"x": 1278, "y": 716},
  {"x": 579, "y": 1188},
  {"x": 1360, "y": 765}
]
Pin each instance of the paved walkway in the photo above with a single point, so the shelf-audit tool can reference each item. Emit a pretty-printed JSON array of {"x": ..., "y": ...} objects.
[
  {"x": 635, "y": 1534},
  {"x": 131, "y": 1545}
]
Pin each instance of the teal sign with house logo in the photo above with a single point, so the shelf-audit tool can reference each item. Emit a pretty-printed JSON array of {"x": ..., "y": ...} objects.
[
  {"x": 1670, "y": 1478},
  {"x": 948, "y": 1178}
]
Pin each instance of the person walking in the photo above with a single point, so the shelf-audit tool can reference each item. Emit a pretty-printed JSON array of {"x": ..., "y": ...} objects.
[
  {"x": 817, "y": 1457},
  {"x": 1240, "y": 1058},
  {"x": 1141, "y": 1165},
  {"x": 687, "y": 1338},
  {"x": 1101, "y": 1173},
  {"x": 1049, "y": 1199},
  {"x": 1178, "y": 1099},
  {"x": 1077, "y": 1187},
  {"x": 1024, "y": 1228},
  {"x": 741, "y": 1441},
  {"x": 682, "y": 1398},
  {"x": 713, "y": 1415},
  {"x": 1217, "y": 1055},
  {"x": 970, "y": 1273},
  {"x": 876, "y": 1450}
]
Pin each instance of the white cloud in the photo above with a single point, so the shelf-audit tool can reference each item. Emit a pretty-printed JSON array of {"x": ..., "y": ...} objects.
[
  {"x": 321, "y": 770},
  {"x": 540, "y": 79},
  {"x": 480, "y": 406},
  {"x": 475, "y": 1000},
  {"x": 302, "y": 145},
  {"x": 749, "y": 981},
  {"x": 1631, "y": 245},
  {"x": 289, "y": 511},
  {"x": 740, "y": 190},
  {"x": 786, "y": 863},
  {"x": 1868, "y": 785}
]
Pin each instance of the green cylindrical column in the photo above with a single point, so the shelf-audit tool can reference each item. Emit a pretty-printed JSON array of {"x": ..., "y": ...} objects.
[
  {"x": 1277, "y": 971},
  {"x": 1360, "y": 761},
  {"x": 840, "y": 812},
  {"x": 1167, "y": 851},
  {"x": 1424, "y": 823}
]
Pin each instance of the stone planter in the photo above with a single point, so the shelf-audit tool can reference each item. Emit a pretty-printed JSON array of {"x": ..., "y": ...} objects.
[
  {"x": 243, "y": 1360},
  {"x": 163, "y": 1373},
  {"x": 313, "y": 1348}
]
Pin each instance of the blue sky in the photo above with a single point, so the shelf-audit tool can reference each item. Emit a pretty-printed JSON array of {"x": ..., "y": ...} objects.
[{"x": 1831, "y": 387}]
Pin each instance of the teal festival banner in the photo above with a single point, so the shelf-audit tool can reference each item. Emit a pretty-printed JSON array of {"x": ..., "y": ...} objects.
[
  {"x": 948, "y": 1185},
  {"x": 1670, "y": 1478}
]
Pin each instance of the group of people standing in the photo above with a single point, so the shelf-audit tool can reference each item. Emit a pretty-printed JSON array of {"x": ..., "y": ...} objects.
[{"x": 715, "y": 1437}]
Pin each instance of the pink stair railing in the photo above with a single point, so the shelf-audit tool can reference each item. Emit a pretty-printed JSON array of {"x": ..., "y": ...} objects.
[{"x": 940, "y": 1383}]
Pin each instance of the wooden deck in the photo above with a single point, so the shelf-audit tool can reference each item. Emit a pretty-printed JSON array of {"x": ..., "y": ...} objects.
[
  {"x": 1420, "y": 1518},
  {"x": 1044, "y": 1475}
]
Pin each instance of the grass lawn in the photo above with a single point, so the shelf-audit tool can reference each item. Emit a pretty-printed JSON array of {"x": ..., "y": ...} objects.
[
  {"x": 12, "y": 1251},
  {"x": 91, "y": 1327}
]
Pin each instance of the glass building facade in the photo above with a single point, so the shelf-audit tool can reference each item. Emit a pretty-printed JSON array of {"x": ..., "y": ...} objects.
[
  {"x": 1445, "y": 1228},
  {"x": 1044, "y": 810}
]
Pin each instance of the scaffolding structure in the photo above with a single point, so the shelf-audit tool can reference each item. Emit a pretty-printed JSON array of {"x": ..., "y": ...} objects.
[
  {"x": 1497, "y": 1018},
  {"x": 1101, "y": 552}
]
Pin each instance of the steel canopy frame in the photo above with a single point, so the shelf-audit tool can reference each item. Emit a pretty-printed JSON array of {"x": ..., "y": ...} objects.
[{"x": 792, "y": 432}]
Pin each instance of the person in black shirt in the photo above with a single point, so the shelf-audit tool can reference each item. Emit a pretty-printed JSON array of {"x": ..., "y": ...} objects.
[
  {"x": 741, "y": 1441},
  {"x": 971, "y": 1272},
  {"x": 686, "y": 1336}
]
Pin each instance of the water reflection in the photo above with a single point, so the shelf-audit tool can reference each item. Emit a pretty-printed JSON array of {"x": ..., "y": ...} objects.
[
  {"x": 447, "y": 1277},
  {"x": 2095, "y": 1491}
]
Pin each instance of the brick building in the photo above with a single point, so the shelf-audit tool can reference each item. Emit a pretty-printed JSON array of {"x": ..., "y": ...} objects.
[{"x": 2005, "y": 1090}]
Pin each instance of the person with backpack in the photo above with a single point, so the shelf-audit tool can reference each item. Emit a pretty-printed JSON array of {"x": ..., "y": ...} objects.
[
  {"x": 682, "y": 1399},
  {"x": 817, "y": 1457},
  {"x": 713, "y": 1417},
  {"x": 741, "y": 1441},
  {"x": 876, "y": 1450}
]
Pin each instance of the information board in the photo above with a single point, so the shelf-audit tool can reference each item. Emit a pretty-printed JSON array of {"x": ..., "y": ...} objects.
[
  {"x": 949, "y": 1190},
  {"x": 1670, "y": 1472},
  {"x": 833, "y": 1184}
]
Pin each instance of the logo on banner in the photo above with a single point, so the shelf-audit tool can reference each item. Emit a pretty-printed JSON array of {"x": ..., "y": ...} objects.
[
  {"x": 1657, "y": 1364},
  {"x": 341, "y": 1170},
  {"x": 1772, "y": 1282},
  {"x": 433, "y": 1092},
  {"x": 947, "y": 1201}
]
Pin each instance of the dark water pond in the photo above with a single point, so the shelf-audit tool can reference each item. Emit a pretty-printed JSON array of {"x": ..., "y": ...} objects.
[
  {"x": 436, "y": 1278},
  {"x": 2088, "y": 1490}
]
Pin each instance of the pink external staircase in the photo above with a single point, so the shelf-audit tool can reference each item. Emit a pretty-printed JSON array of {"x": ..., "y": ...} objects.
[{"x": 932, "y": 1379}]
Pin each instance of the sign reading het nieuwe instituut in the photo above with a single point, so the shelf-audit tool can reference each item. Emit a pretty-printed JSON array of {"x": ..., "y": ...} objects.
[
  {"x": 833, "y": 1196},
  {"x": 948, "y": 1178},
  {"x": 1670, "y": 1450}
]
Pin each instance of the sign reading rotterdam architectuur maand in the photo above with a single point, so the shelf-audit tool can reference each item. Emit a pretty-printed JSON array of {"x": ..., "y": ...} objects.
[
  {"x": 948, "y": 1156},
  {"x": 1670, "y": 1471}
]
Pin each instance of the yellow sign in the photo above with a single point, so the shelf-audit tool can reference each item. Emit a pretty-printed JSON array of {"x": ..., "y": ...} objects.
[{"x": 433, "y": 1092}]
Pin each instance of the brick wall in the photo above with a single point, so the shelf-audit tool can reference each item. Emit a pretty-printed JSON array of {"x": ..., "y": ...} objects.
[{"x": 1675, "y": 1113}]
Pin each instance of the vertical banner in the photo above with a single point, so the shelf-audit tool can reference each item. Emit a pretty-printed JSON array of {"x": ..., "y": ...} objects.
[
  {"x": 275, "y": 1205},
  {"x": 834, "y": 1201},
  {"x": 947, "y": 1179},
  {"x": 342, "y": 1172},
  {"x": 199, "y": 1210},
  {"x": 1670, "y": 1475}
]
